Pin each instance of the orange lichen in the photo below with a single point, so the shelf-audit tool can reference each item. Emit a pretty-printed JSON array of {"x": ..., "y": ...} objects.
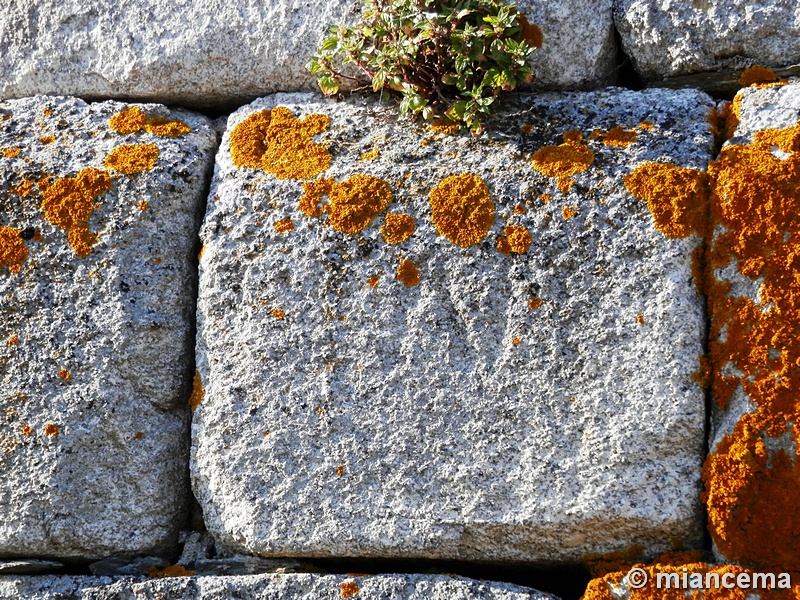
[
  {"x": 545, "y": 198},
  {"x": 132, "y": 158},
  {"x": 50, "y": 429},
  {"x": 564, "y": 160},
  {"x": 519, "y": 210},
  {"x": 13, "y": 251},
  {"x": 11, "y": 152},
  {"x": 354, "y": 203},
  {"x": 27, "y": 430},
  {"x": 534, "y": 303},
  {"x": 730, "y": 115},
  {"x": 573, "y": 136},
  {"x": 313, "y": 191},
  {"x": 340, "y": 470},
  {"x": 695, "y": 581},
  {"x": 757, "y": 74},
  {"x": 280, "y": 144},
  {"x": 619, "y": 137},
  {"x": 143, "y": 204},
  {"x": 425, "y": 142},
  {"x": 284, "y": 226},
  {"x": 640, "y": 319},
  {"x": 675, "y": 196},
  {"x": 348, "y": 589},
  {"x": 397, "y": 228},
  {"x": 133, "y": 120},
  {"x": 530, "y": 32},
  {"x": 564, "y": 184},
  {"x": 645, "y": 126},
  {"x": 198, "y": 392},
  {"x": 69, "y": 202},
  {"x": 23, "y": 190},
  {"x": 373, "y": 280},
  {"x": 568, "y": 212},
  {"x": 407, "y": 273},
  {"x": 47, "y": 139},
  {"x": 47, "y": 113},
  {"x": 171, "y": 571},
  {"x": 462, "y": 209},
  {"x": 517, "y": 239},
  {"x": 64, "y": 374},
  {"x": 138, "y": 435},
  {"x": 516, "y": 341},
  {"x": 527, "y": 128},
  {"x": 278, "y": 313},
  {"x": 13, "y": 340},
  {"x": 445, "y": 126},
  {"x": 370, "y": 154}
]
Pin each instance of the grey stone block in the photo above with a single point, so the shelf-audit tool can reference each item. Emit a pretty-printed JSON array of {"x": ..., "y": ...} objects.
[
  {"x": 529, "y": 406},
  {"x": 97, "y": 272}
]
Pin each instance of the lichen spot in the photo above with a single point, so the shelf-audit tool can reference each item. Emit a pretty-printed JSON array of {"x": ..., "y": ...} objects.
[
  {"x": 348, "y": 589},
  {"x": 340, "y": 470},
  {"x": 619, "y": 137},
  {"x": 278, "y": 314},
  {"x": 564, "y": 160},
  {"x": 27, "y": 430},
  {"x": 568, "y": 212},
  {"x": 373, "y": 281},
  {"x": 354, "y": 203},
  {"x": 275, "y": 141},
  {"x": 545, "y": 198},
  {"x": 47, "y": 139},
  {"x": 11, "y": 152},
  {"x": 516, "y": 341},
  {"x": 462, "y": 209},
  {"x": 313, "y": 191},
  {"x": 68, "y": 203},
  {"x": 517, "y": 240},
  {"x": 198, "y": 392},
  {"x": 166, "y": 127},
  {"x": 171, "y": 571},
  {"x": 64, "y": 374},
  {"x": 142, "y": 205},
  {"x": 397, "y": 228},
  {"x": 519, "y": 209},
  {"x": 445, "y": 126},
  {"x": 407, "y": 273},
  {"x": 675, "y": 196},
  {"x": 573, "y": 136},
  {"x": 371, "y": 154},
  {"x": 23, "y": 190},
  {"x": 13, "y": 251},
  {"x": 138, "y": 435},
  {"x": 284, "y": 226},
  {"x": 645, "y": 126},
  {"x": 757, "y": 74},
  {"x": 530, "y": 32},
  {"x": 130, "y": 120},
  {"x": 640, "y": 319},
  {"x": 13, "y": 340},
  {"x": 565, "y": 184},
  {"x": 132, "y": 158},
  {"x": 534, "y": 303},
  {"x": 50, "y": 429}
]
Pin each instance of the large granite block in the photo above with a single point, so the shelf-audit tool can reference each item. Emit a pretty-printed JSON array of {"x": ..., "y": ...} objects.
[
  {"x": 99, "y": 206},
  {"x": 415, "y": 344},
  {"x": 211, "y": 54}
]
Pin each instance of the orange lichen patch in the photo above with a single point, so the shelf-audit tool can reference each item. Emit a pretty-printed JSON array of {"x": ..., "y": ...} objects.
[
  {"x": 675, "y": 196},
  {"x": 284, "y": 225},
  {"x": 619, "y": 137},
  {"x": 27, "y": 430},
  {"x": 445, "y": 126},
  {"x": 565, "y": 184},
  {"x": 313, "y": 191},
  {"x": 573, "y": 136},
  {"x": 640, "y": 319},
  {"x": 166, "y": 127},
  {"x": 354, "y": 203},
  {"x": 751, "y": 490},
  {"x": 564, "y": 160},
  {"x": 370, "y": 155},
  {"x": 527, "y": 128},
  {"x": 13, "y": 251},
  {"x": 534, "y": 303},
  {"x": 645, "y": 126},
  {"x": 142, "y": 205},
  {"x": 730, "y": 115},
  {"x": 696, "y": 581},
  {"x": 545, "y": 198},
  {"x": 278, "y": 313},
  {"x": 198, "y": 392},
  {"x": 407, "y": 273},
  {"x": 11, "y": 152},
  {"x": 425, "y": 142},
  {"x": 530, "y": 32},
  {"x": 280, "y": 144},
  {"x": 50, "y": 429},
  {"x": 132, "y": 158},
  {"x": 373, "y": 280},
  {"x": 64, "y": 374},
  {"x": 47, "y": 113},
  {"x": 69, "y": 202},
  {"x": 397, "y": 228},
  {"x": 171, "y": 571},
  {"x": 702, "y": 376},
  {"x": 340, "y": 470},
  {"x": 519, "y": 210},
  {"x": 133, "y": 120},
  {"x": 757, "y": 74},
  {"x": 13, "y": 340},
  {"x": 516, "y": 341},
  {"x": 43, "y": 183},
  {"x": 517, "y": 239},
  {"x": 568, "y": 212},
  {"x": 22, "y": 190},
  {"x": 348, "y": 589},
  {"x": 138, "y": 435},
  {"x": 462, "y": 209},
  {"x": 47, "y": 139}
]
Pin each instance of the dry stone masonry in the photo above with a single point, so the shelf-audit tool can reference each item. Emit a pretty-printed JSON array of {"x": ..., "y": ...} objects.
[{"x": 301, "y": 348}]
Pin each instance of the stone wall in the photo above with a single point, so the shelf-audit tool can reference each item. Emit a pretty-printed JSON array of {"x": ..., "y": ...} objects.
[{"x": 308, "y": 349}]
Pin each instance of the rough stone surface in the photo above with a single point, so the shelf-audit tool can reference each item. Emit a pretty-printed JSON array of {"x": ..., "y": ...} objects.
[
  {"x": 226, "y": 53},
  {"x": 95, "y": 351},
  {"x": 506, "y": 407},
  {"x": 665, "y": 38},
  {"x": 750, "y": 479},
  {"x": 304, "y": 586}
]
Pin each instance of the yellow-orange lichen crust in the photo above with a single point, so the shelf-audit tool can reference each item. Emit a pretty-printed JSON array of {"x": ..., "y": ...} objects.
[
  {"x": 13, "y": 251},
  {"x": 284, "y": 226},
  {"x": 675, "y": 196},
  {"x": 198, "y": 392},
  {"x": 407, "y": 273},
  {"x": 133, "y": 120},
  {"x": 170, "y": 571},
  {"x": 530, "y": 32},
  {"x": 619, "y": 137},
  {"x": 132, "y": 158},
  {"x": 280, "y": 144},
  {"x": 751, "y": 493},
  {"x": 462, "y": 209},
  {"x": 564, "y": 160},
  {"x": 348, "y": 589},
  {"x": 445, "y": 126},
  {"x": 517, "y": 239},
  {"x": 313, "y": 191},
  {"x": 354, "y": 203},
  {"x": 397, "y": 228},
  {"x": 69, "y": 202},
  {"x": 757, "y": 74},
  {"x": 693, "y": 581}
]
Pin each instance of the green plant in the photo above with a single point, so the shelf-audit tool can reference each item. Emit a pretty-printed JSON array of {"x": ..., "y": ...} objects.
[{"x": 441, "y": 56}]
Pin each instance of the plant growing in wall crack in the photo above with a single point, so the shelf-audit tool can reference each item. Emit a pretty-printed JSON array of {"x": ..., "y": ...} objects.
[{"x": 445, "y": 57}]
